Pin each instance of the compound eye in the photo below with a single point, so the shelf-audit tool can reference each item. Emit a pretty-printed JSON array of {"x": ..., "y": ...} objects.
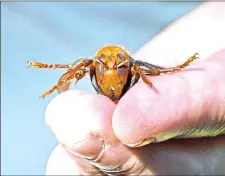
[
  {"x": 100, "y": 69},
  {"x": 121, "y": 70},
  {"x": 121, "y": 57},
  {"x": 102, "y": 57}
]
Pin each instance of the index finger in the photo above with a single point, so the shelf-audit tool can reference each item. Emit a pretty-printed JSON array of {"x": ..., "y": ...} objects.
[
  {"x": 185, "y": 100},
  {"x": 178, "y": 92}
]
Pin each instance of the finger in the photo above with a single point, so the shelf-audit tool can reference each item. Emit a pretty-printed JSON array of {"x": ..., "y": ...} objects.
[
  {"x": 61, "y": 162},
  {"x": 82, "y": 123},
  {"x": 73, "y": 117},
  {"x": 160, "y": 155},
  {"x": 189, "y": 103}
]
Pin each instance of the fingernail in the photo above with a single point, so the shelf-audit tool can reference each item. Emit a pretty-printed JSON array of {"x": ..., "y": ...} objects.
[
  {"x": 144, "y": 142},
  {"x": 159, "y": 138},
  {"x": 166, "y": 136}
]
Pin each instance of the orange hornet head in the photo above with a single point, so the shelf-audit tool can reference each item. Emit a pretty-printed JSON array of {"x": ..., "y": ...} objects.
[{"x": 112, "y": 70}]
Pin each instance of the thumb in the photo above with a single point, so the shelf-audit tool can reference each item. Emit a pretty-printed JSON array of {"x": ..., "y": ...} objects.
[{"x": 189, "y": 103}]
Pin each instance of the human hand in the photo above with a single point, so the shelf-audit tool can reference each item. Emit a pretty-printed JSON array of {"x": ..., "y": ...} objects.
[
  {"x": 139, "y": 116},
  {"x": 72, "y": 123}
]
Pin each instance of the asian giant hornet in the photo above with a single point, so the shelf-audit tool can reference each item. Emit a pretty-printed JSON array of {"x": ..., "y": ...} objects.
[{"x": 112, "y": 72}]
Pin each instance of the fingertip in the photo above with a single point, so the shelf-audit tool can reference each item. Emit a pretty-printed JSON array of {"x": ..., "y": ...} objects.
[
  {"x": 59, "y": 102},
  {"x": 73, "y": 116}
]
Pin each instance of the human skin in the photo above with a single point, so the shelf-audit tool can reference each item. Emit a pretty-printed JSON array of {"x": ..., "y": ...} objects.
[{"x": 85, "y": 124}]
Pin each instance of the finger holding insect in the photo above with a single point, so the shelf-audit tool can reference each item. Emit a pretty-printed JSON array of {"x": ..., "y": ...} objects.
[
  {"x": 185, "y": 107},
  {"x": 88, "y": 133}
]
